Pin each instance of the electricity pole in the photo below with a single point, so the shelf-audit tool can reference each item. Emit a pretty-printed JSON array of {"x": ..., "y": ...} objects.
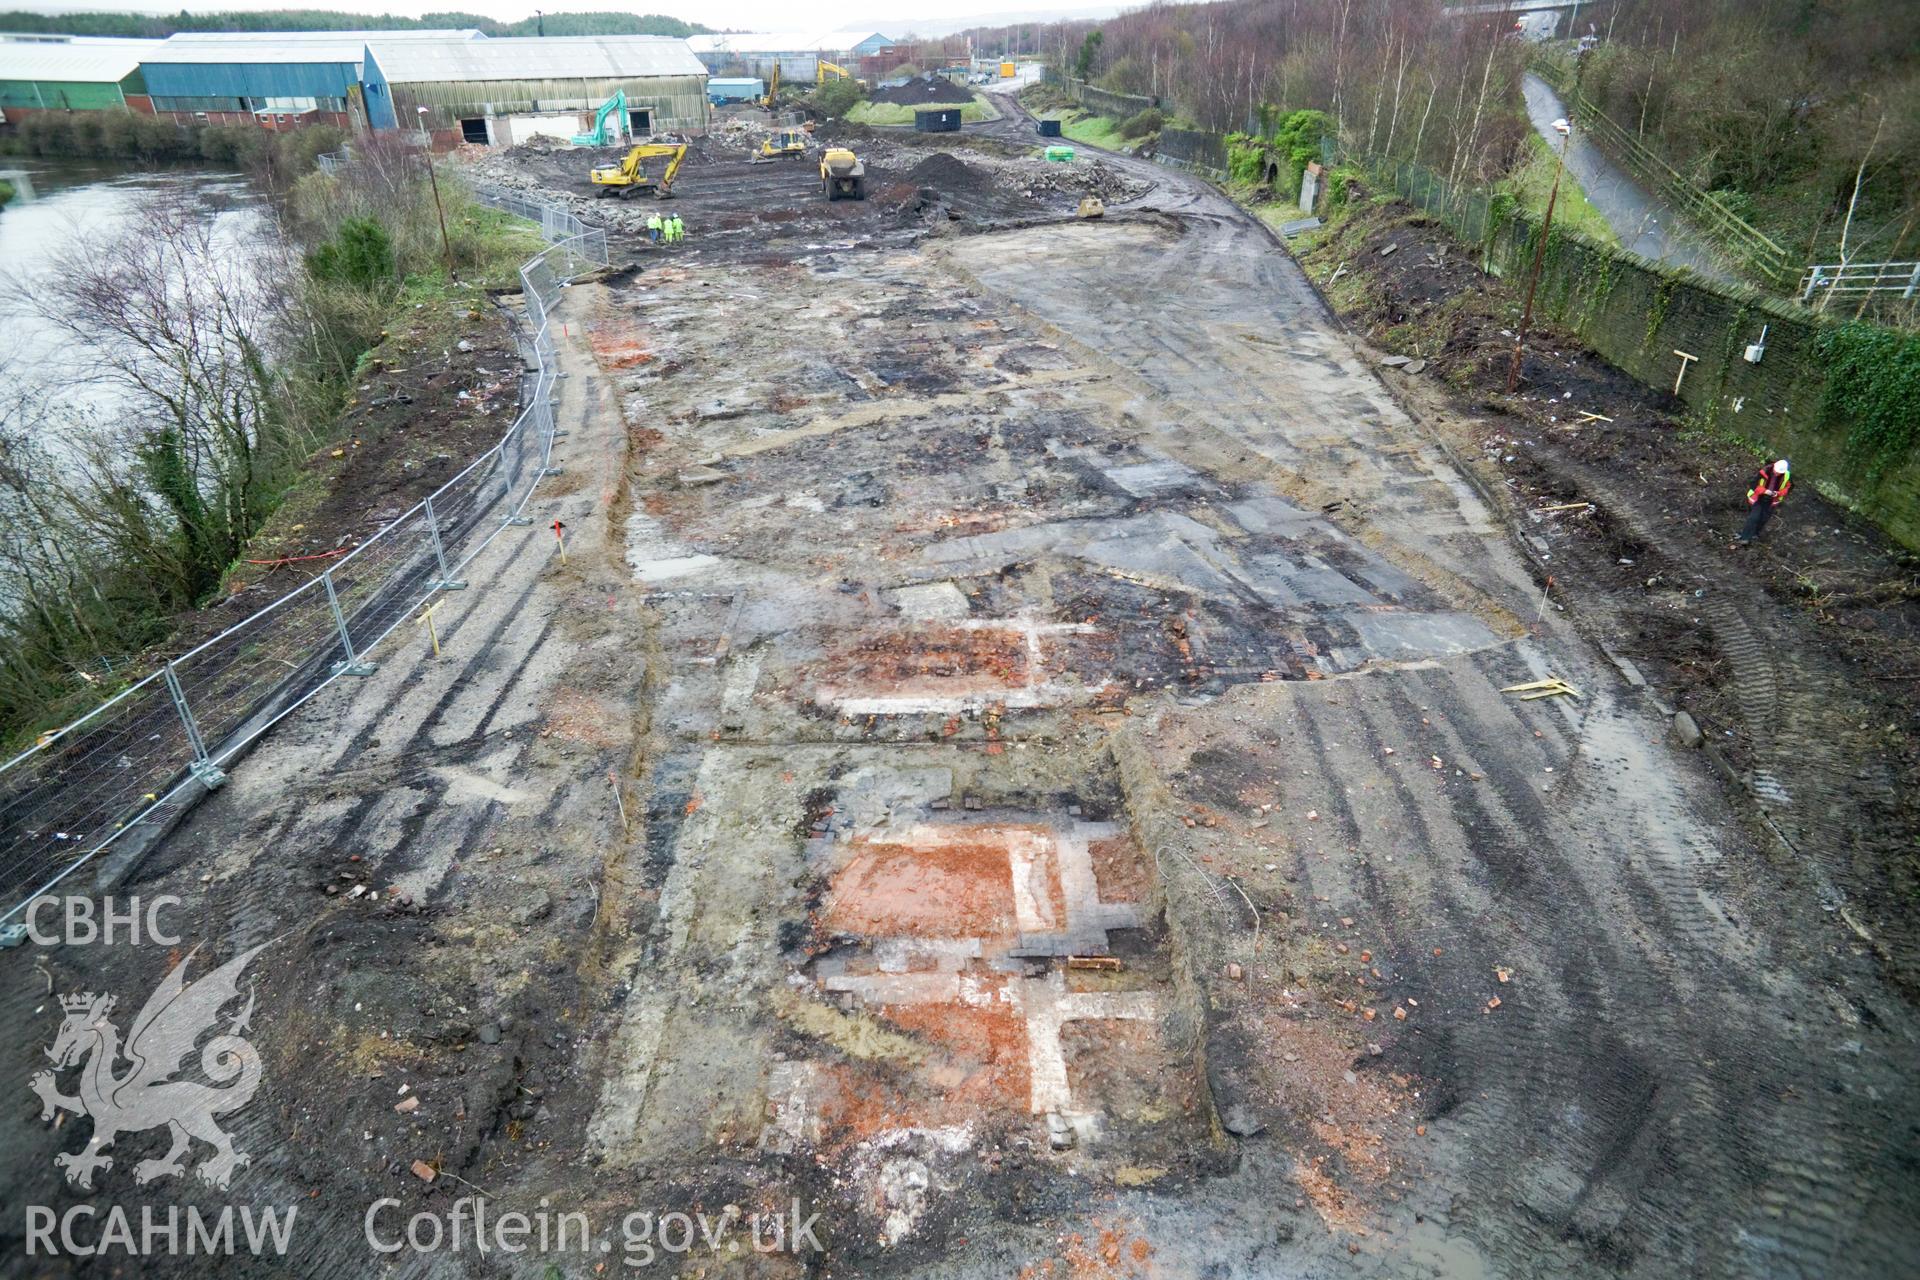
[{"x": 1565, "y": 131}]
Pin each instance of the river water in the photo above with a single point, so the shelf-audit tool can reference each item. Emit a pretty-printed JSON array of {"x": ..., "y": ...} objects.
[{"x": 45, "y": 383}]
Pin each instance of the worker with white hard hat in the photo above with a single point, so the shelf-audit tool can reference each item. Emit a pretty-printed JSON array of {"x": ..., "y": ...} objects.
[{"x": 1763, "y": 496}]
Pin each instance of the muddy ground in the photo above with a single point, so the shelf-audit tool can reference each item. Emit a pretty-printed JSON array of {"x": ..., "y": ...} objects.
[
  {"x": 1799, "y": 659},
  {"x": 741, "y": 207},
  {"x": 924, "y": 90},
  {"x": 1022, "y": 754}
]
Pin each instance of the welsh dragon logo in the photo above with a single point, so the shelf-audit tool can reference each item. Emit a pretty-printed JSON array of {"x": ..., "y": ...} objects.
[{"x": 128, "y": 1088}]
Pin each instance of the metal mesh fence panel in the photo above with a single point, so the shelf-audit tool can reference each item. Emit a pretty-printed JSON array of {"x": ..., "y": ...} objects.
[
  {"x": 468, "y": 509},
  {"x": 133, "y": 760},
  {"x": 1468, "y": 212},
  {"x": 383, "y": 578},
  {"x": 272, "y": 660},
  {"x": 79, "y": 789}
]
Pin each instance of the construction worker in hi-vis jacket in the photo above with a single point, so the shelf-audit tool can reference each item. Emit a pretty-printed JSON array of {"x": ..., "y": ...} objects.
[{"x": 1768, "y": 488}]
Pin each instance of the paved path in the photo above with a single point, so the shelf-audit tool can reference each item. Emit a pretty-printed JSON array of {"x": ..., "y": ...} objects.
[{"x": 1644, "y": 224}]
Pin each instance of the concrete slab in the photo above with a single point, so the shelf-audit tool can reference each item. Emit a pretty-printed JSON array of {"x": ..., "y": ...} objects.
[{"x": 930, "y": 601}]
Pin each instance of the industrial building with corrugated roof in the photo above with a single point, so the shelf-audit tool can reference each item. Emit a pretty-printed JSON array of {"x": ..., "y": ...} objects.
[
  {"x": 502, "y": 91},
  {"x": 797, "y": 53},
  {"x": 473, "y": 89},
  {"x": 279, "y": 79},
  {"x": 75, "y": 74}
]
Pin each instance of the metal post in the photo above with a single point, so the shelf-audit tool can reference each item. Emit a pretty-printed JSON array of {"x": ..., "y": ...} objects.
[
  {"x": 433, "y": 180},
  {"x": 1539, "y": 258},
  {"x": 446, "y": 582},
  {"x": 546, "y": 420},
  {"x": 1913, "y": 282},
  {"x": 351, "y": 665},
  {"x": 202, "y": 765}
]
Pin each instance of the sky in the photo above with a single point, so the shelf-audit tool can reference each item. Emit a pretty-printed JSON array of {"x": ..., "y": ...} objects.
[{"x": 926, "y": 16}]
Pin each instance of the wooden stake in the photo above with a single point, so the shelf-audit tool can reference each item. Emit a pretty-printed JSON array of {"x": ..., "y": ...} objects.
[
  {"x": 433, "y": 631},
  {"x": 1685, "y": 361},
  {"x": 621, "y": 801}
]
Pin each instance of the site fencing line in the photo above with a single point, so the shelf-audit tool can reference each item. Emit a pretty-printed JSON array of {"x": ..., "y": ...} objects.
[{"x": 138, "y": 760}]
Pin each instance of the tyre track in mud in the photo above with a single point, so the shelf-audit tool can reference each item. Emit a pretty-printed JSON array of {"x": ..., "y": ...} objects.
[
  {"x": 1813, "y": 783},
  {"x": 1708, "y": 1144},
  {"x": 1619, "y": 1105},
  {"x": 1809, "y": 1195},
  {"x": 396, "y": 767}
]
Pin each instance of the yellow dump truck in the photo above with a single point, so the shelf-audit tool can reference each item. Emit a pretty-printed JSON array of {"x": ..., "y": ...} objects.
[{"x": 842, "y": 175}]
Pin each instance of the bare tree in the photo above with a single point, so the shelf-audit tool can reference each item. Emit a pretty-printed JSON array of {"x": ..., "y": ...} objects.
[
  {"x": 1853, "y": 204},
  {"x": 178, "y": 319}
]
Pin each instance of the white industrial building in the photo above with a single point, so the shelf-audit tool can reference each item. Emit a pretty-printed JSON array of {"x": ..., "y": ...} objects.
[{"x": 797, "y": 53}]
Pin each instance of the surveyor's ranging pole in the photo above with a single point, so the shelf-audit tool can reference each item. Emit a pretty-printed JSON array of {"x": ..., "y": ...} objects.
[{"x": 1565, "y": 131}]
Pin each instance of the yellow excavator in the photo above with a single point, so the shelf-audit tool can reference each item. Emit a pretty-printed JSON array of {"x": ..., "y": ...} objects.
[
  {"x": 628, "y": 176},
  {"x": 773, "y": 88},
  {"x": 832, "y": 71},
  {"x": 842, "y": 174},
  {"x": 784, "y": 142}
]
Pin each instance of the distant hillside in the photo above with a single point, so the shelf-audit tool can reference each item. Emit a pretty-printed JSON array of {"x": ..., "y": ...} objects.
[{"x": 158, "y": 26}]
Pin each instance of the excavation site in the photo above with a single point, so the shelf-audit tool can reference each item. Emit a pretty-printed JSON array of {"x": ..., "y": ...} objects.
[{"x": 979, "y": 730}]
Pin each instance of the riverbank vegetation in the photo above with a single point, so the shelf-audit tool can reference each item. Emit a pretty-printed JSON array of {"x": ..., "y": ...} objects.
[
  {"x": 275, "y": 159},
  {"x": 229, "y": 364}
]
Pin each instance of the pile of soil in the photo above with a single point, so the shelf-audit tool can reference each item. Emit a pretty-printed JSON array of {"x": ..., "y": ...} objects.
[
  {"x": 925, "y": 91},
  {"x": 949, "y": 174}
]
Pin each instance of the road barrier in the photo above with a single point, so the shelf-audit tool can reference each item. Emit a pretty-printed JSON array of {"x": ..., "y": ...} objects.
[
  {"x": 134, "y": 764},
  {"x": 1852, "y": 279}
]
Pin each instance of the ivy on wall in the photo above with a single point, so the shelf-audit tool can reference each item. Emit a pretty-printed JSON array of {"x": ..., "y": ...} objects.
[
  {"x": 1294, "y": 141},
  {"x": 1873, "y": 382},
  {"x": 1662, "y": 303}
]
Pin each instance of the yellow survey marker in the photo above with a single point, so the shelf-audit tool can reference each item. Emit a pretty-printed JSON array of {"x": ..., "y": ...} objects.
[
  {"x": 433, "y": 631},
  {"x": 1552, "y": 687}
]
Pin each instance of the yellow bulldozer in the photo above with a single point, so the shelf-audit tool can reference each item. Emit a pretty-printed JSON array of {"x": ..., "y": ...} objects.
[
  {"x": 842, "y": 175},
  {"x": 629, "y": 175},
  {"x": 784, "y": 142}
]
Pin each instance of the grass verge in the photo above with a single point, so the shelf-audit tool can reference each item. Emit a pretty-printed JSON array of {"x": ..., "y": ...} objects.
[
  {"x": 894, "y": 113},
  {"x": 1533, "y": 180},
  {"x": 1095, "y": 131}
]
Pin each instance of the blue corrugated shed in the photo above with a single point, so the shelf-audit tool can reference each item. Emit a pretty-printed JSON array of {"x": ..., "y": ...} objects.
[
  {"x": 249, "y": 79},
  {"x": 200, "y": 70},
  {"x": 379, "y": 94},
  {"x": 736, "y": 89}
]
